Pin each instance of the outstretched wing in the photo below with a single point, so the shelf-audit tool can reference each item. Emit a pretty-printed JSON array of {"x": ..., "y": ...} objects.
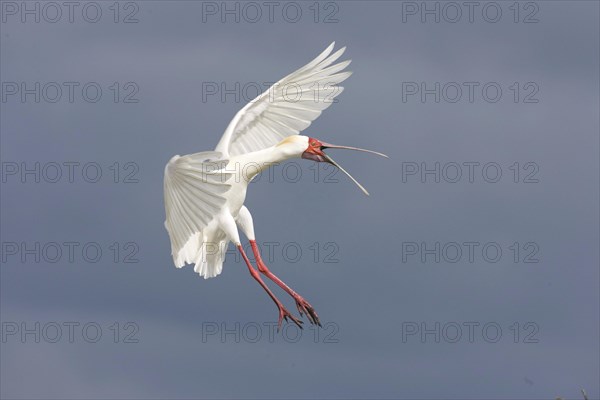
[
  {"x": 287, "y": 107},
  {"x": 194, "y": 188}
]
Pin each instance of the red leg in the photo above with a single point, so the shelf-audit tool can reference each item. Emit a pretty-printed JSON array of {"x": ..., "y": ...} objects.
[
  {"x": 283, "y": 312},
  {"x": 303, "y": 306}
]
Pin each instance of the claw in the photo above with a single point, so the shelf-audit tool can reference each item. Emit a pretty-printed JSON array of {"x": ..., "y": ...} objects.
[
  {"x": 284, "y": 314},
  {"x": 305, "y": 308},
  {"x": 302, "y": 310}
]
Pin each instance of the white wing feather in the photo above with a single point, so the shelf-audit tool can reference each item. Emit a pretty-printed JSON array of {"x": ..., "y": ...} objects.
[
  {"x": 286, "y": 108},
  {"x": 194, "y": 187}
]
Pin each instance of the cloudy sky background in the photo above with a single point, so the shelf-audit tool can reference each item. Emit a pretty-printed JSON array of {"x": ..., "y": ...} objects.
[{"x": 370, "y": 296}]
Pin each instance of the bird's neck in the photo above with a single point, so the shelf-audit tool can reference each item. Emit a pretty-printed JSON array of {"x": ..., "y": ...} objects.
[{"x": 251, "y": 164}]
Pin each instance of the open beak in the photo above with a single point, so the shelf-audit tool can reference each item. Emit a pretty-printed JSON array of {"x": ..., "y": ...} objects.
[{"x": 320, "y": 156}]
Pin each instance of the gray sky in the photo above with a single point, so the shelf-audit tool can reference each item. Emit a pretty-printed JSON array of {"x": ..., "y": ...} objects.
[{"x": 398, "y": 323}]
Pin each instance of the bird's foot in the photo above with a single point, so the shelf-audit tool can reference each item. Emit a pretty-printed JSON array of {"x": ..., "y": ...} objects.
[
  {"x": 305, "y": 308},
  {"x": 285, "y": 314}
]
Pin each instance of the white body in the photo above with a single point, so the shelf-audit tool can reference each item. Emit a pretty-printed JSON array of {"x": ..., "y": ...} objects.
[{"x": 205, "y": 192}]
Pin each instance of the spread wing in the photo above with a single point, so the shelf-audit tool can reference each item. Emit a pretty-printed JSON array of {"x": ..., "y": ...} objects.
[
  {"x": 287, "y": 107},
  {"x": 194, "y": 187}
]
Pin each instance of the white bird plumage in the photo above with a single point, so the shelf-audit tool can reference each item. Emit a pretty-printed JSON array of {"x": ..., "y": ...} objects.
[
  {"x": 286, "y": 108},
  {"x": 193, "y": 201},
  {"x": 205, "y": 192}
]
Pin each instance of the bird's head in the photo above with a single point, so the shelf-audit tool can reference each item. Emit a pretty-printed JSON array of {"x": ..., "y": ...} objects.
[{"x": 312, "y": 149}]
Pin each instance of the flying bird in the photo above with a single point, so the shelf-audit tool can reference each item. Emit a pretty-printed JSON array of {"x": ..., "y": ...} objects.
[{"x": 204, "y": 192}]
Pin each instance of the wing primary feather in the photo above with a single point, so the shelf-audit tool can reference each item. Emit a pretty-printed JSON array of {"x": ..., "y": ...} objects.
[
  {"x": 193, "y": 197},
  {"x": 272, "y": 116}
]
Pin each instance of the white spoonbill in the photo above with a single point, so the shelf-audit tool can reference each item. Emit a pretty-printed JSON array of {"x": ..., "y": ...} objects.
[{"x": 205, "y": 192}]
